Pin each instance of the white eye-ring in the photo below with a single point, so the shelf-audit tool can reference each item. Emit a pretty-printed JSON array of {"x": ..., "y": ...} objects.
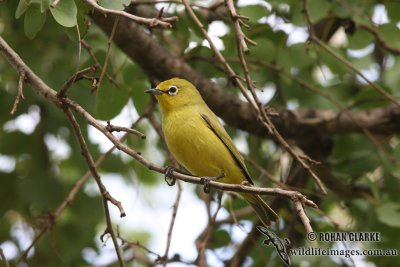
[{"x": 172, "y": 90}]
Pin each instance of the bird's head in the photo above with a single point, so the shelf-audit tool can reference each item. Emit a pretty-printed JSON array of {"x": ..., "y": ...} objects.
[{"x": 175, "y": 93}]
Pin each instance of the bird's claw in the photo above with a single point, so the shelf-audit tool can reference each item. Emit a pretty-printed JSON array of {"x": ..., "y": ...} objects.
[
  {"x": 168, "y": 178},
  {"x": 206, "y": 181}
]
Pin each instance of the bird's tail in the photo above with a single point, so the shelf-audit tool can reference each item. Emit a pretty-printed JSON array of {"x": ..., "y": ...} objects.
[{"x": 264, "y": 212}]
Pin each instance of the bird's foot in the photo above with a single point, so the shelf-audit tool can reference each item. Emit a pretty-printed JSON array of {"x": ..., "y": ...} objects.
[
  {"x": 168, "y": 178},
  {"x": 205, "y": 180},
  {"x": 245, "y": 183}
]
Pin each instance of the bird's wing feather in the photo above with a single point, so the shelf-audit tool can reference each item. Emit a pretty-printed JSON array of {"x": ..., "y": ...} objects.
[{"x": 220, "y": 132}]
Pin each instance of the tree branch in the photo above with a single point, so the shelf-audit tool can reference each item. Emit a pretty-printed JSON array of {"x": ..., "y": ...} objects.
[
  {"x": 297, "y": 124},
  {"x": 105, "y": 194},
  {"x": 113, "y": 128},
  {"x": 255, "y": 102},
  {"x": 74, "y": 78},
  {"x": 379, "y": 39},
  {"x": 351, "y": 67},
  {"x": 70, "y": 197},
  {"x": 3, "y": 258},
  {"x": 65, "y": 103},
  {"x": 20, "y": 93}
]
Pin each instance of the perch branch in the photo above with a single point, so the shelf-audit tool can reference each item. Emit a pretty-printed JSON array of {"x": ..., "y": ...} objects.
[
  {"x": 299, "y": 125},
  {"x": 65, "y": 103}
]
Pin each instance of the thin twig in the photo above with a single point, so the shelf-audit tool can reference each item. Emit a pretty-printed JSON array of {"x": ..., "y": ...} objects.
[
  {"x": 268, "y": 175},
  {"x": 74, "y": 78},
  {"x": 172, "y": 223},
  {"x": 109, "y": 42},
  {"x": 75, "y": 189},
  {"x": 97, "y": 64},
  {"x": 302, "y": 214},
  {"x": 79, "y": 46},
  {"x": 232, "y": 75},
  {"x": 350, "y": 66},
  {"x": 154, "y": 22},
  {"x": 113, "y": 128},
  {"x": 205, "y": 236},
  {"x": 3, "y": 258},
  {"x": 20, "y": 93},
  {"x": 379, "y": 39},
  {"x": 238, "y": 21},
  {"x": 153, "y": 2},
  {"x": 233, "y": 215},
  {"x": 311, "y": 33},
  {"x": 88, "y": 157},
  {"x": 326, "y": 95},
  {"x": 105, "y": 194}
]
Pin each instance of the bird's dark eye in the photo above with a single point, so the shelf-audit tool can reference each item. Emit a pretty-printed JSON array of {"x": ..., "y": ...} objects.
[{"x": 172, "y": 90}]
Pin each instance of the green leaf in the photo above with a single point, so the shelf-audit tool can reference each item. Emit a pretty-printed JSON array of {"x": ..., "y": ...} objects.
[
  {"x": 220, "y": 238},
  {"x": 296, "y": 56},
  {"x": 264, "y": 50},
  {"x": 390, "y": 34},
  {"x": 363, "y": 63},
  {"x": 41, "y": 190},
  {"x": 136, "y": 83},
  {"x": 193, "y": 26},
  {"x": 14, "y": 143},
  {"x": 44, "y": 5},
  {"x": 65, "y": 13},
  {"x": 144, "y": 175},
  {"x": 392, "y": 9},
  {"x": 110, "y": 101},
  {"x": 33, "y": 21},
  {"x": 201, "y": 65},
  {"x": 8, "y": 192},
  {"x": 254, "y": 12},
  {"x": 353, "y": 155},
  {"x": 389, "y": 214},
  {"x": 181, "y": 34},
  {"x": 83, "y": 28},
  {"x": 22, "y": 7},
  {"x": 318, "y": 9},
  {"x": 358, "y": 10},
  {"x": 360, "y": 39},
  {"x": 114, "y": 164}
]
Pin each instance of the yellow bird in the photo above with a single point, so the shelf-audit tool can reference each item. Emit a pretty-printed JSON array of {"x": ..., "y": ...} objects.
[{"x": 200, "y": 143}]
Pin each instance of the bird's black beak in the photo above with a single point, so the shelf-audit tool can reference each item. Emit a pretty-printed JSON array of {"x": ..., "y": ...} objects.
[{"x": 154, "y": 91}]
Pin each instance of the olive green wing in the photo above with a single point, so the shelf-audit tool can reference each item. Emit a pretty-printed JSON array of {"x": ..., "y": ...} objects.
[{"x": 219, "y": 131}]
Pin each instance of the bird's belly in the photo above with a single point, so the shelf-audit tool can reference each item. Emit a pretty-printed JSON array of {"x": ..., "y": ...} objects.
[{"x": 200, "y": 151}]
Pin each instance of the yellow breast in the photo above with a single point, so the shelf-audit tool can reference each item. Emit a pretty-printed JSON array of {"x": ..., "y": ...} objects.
[{"x": 196, "y": 147}]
